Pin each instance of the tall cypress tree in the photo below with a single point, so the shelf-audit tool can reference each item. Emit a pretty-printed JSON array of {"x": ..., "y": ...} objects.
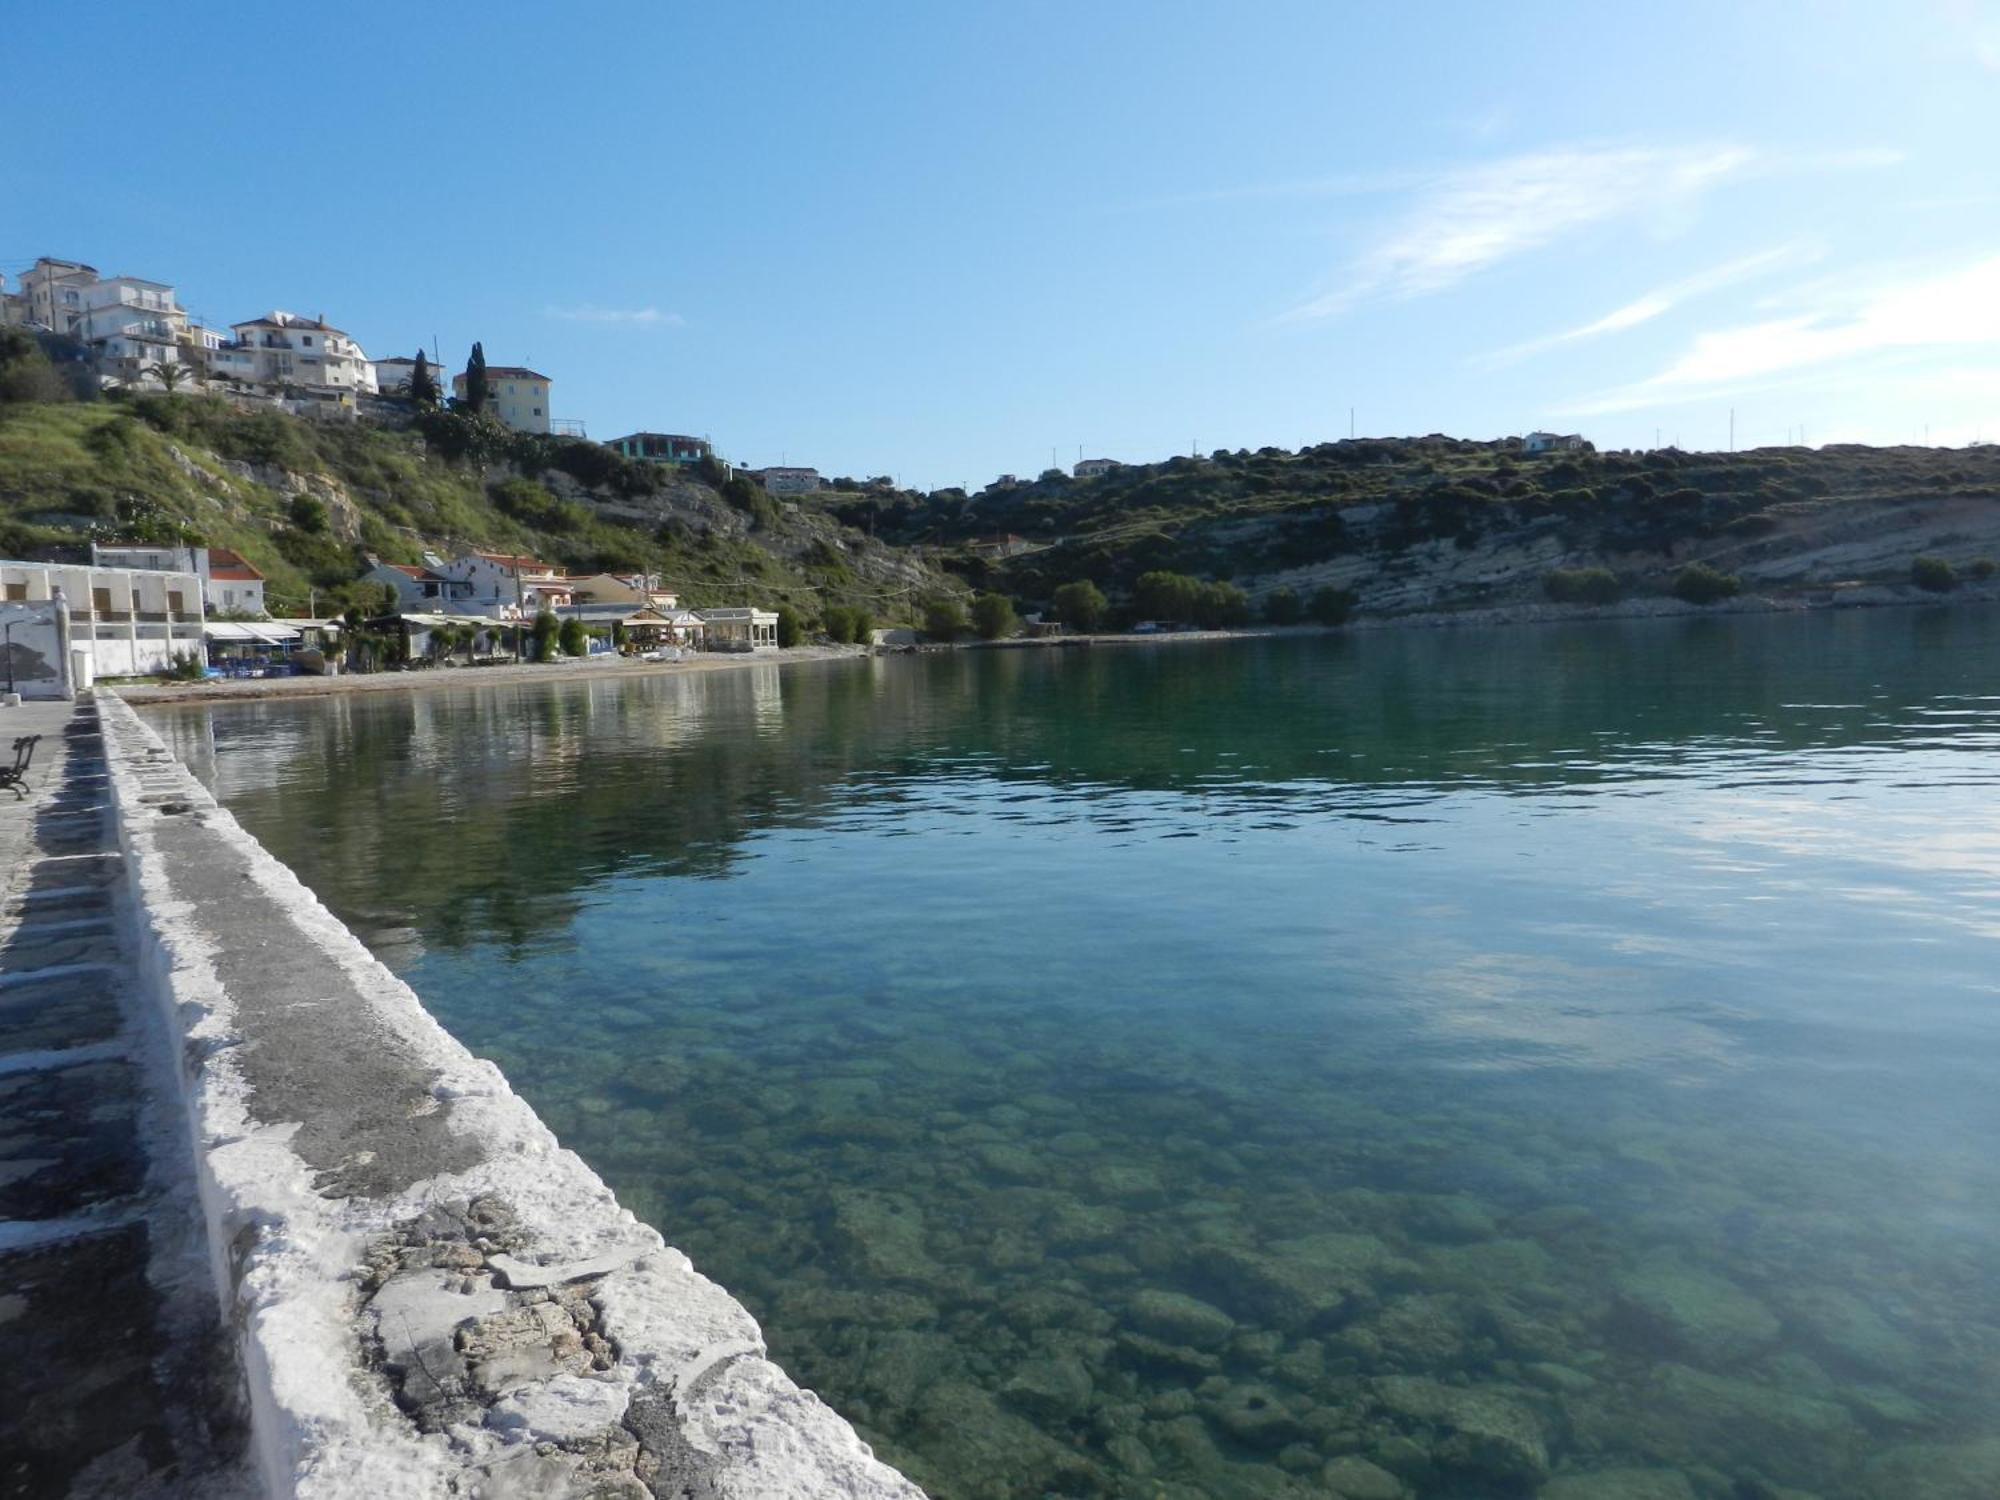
[
  {"x": 476, "y": 390},
  {"x": 423, "y": 387}
]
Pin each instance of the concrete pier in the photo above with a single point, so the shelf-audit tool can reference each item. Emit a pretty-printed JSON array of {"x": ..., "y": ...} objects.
[
  {"x": 116, "y": 1377},
  {"x": 425, "y": 1294}
]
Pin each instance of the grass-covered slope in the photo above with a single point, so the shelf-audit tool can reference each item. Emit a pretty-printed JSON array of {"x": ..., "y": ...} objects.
[
  {"x": 304, "y": 501},
  {"x": 1438, "y": 522}
]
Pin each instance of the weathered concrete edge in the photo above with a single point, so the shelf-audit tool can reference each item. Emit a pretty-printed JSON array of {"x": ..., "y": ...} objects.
[{"x": 287, "y": 1260}]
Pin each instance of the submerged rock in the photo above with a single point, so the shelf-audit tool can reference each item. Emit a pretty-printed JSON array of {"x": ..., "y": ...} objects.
[
  {"x": 1295, "y": 1282},
  {"x": 1668, "y": 1307},
  {"x": 1353, "y": 1478},
  {"x": 1485, "y": 1434},
  {"x": 1619, "y": 1484},
  {"x": 882, "y": 1234},
  {"x": 1179, "y": 1319},
  {"x": 1935, "y": 1471},
  {"x": 1053, "y": 1390}
]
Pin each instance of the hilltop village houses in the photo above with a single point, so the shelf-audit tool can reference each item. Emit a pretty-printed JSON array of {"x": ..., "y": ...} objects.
[{"x": 136, "y": 603}]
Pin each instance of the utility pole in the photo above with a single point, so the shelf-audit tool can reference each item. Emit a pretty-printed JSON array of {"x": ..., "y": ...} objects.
[
  {"x": 1732, "y": 429},
  {"x": 1350, "y": 424}
]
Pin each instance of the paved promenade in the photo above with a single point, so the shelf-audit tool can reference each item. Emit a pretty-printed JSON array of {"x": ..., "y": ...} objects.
[{"x": 115, "y": 1379}]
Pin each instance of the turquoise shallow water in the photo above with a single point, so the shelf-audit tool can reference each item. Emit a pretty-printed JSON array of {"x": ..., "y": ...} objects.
[{"x": 1551, "y": 1062}]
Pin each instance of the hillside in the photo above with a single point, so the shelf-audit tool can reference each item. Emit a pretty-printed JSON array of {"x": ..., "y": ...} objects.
[
  {"x": 1440, "y": 523},
  {"x": 305, "y": 500}
]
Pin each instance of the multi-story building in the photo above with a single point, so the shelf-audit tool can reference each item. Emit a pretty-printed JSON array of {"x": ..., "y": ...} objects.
[
  {"x": 784, "y": 479},
  {"x": 284, "y": 350},
  {"x": 229, "y": 583},
  {"x": 518, "y": 397},
  {"x": 131, "y": 621},
  {"x": 503, "y": 586},
  {"x": 662, "y": 447},
  {"x": 128, "y": 323},
  {"x": 52, "y": 292},
  {"x": 1089, "y": 467}
]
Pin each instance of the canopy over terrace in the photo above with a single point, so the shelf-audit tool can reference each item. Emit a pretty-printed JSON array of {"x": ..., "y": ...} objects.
[
  {"x": 250, "y": 648},
  {"x": 643, "y": 625}
]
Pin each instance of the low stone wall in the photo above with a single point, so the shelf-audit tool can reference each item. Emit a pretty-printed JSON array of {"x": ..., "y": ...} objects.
[{"x": 433, "y": 1297}]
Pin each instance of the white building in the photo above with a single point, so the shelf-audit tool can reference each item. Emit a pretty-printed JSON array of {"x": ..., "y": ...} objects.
[
  {"x": 52, "y": 292},
  {"x": 283, "y": 350},
  {"x": 130, "y": 324},
  {"x": 786, "y": 480},
  {"x": 739, "y": 629},
  {"x": 1551, "y": 442},
  {"x": 131, "y": 621},
  {"x": 392, "y": 376},
  {"x": 1088, "y": 467},
  {"x": 502, "y": 586},
  {"x": 229, "y": 583},
  {"x": 419, "y": 587}
]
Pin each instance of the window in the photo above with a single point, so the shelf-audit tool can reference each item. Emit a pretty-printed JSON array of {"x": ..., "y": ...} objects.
[
  {"x": 100, "y": 599},
  {"x": 537, "y": 411},
  {"x": 17, "y": 591},
  {"x": 307, "y": 340},
  {"x": 176, "y": 601}
]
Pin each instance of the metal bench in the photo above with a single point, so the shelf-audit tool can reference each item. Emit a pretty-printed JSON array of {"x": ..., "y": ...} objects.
[{"x": 16, "y": 775}]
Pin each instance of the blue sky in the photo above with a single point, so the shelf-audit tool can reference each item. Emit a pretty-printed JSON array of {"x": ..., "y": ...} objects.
[{"x": 947, "y": 240}]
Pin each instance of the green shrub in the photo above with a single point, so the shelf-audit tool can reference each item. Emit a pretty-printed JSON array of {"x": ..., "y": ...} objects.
[
  {"x": 944, "y": 619},
  {"x": 864, "y": 627},
  {"x": 1284, "y": 607},
  {"x": 547, "y": 629},
  {"x": 993, "y": 617},
  {"x": 1330, "y": 606},
  {"x": 1933, "y": 574},
  {"x": 839, "y": 622},
  {"x": 791, "y": 629},
  {"x": 1220, "y": 606},
  {"x": 572, "y": 636},
  {"x": 1582, "y": 586},
  {"x": 1081, "y": 605},
  {"x": 1698, "y": 583},
  {"x": 307, "y": 513}
]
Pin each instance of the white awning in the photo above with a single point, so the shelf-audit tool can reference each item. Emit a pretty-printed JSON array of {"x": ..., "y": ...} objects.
[{"x": 263, "y": 635}]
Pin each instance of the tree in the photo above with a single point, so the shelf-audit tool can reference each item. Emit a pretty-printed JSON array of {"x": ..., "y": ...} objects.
[
  {"x": 572, "y": 637},
  {"x": 307, "y": 513},
  {"x": 423, "y": 385},
  {"x": 1933, "y": 574},
  {"x": 864, "y": 627},
  {"x": 1081, "y": 605},
  {"x": 1284, "y": 607},
  {"x": 476, "y": 386},
  {"x": 1219, "y": 606},
  {"x": 993, "y": 617},
  {"x": 547, "y": 628},
  {"x": 944, "y": 619},
  {"x": 839, "y": 622},
  {"x": 1166, "y": 596},
  {"x": 1698, "y": 583},
  {"x": 1330, "y": 606},
  {"x": 791, "y": 629},
  {"x": 170, "y": 375},
  {"x": 618, "y": 635}
]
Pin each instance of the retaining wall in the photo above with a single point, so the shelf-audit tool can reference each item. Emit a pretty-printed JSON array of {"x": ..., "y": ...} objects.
[{"x": 432, "y": 1296}]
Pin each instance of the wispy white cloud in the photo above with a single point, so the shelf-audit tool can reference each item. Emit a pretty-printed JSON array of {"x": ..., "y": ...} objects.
[
  {"x": 1476, "y": 218},
  {"x": 1660, "y": 300},
  {"x": 1900, "y": 315},
  {"x": 1471, "y": 219},
  {"x": 636, "y": 317}
]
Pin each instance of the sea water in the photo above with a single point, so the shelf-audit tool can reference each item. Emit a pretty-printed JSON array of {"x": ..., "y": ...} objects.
[{"x": 1557, "y": 1061}]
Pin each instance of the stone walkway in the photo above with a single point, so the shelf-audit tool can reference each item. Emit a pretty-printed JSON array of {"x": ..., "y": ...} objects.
[{"x": 114, "y": 1376}]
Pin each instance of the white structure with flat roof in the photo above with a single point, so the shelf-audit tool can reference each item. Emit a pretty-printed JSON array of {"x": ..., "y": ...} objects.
[
  {"x": 739, "y": 629},
  {"x": 131, "y": 621},
  {"x": 282, "y": 349}
]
